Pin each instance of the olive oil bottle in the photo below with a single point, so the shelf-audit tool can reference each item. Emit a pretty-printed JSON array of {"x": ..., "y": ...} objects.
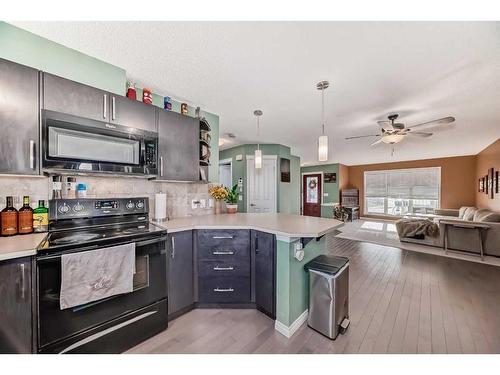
[{"x": 41, "y": 217}]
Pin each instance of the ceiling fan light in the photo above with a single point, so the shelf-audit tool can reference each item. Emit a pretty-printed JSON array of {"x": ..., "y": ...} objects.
[
  {"x": 323, "y": 148},
  {"x": 392, "y": 138},
  {"x": 258, "y": 159}
]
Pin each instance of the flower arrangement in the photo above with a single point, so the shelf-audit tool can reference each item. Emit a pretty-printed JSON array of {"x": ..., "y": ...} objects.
[{"x": 218, "y": 192}]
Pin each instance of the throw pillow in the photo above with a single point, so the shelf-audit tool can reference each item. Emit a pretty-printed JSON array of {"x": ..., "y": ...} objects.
[
  {"x": 469, "y": 213},
  {"x": 491, "y": 217}
]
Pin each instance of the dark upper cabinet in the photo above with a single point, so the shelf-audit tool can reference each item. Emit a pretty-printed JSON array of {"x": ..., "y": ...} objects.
[
  {"x": 66, "y": 96},
  {"x": 132, "y": 113},
  {"x": 178, "y": 147},
  {"x": 264, "y": 255},
  {"x": 19, "y": 124},
  {"x": 180, "y": 272},
  {"x": 15, "y": 306}
]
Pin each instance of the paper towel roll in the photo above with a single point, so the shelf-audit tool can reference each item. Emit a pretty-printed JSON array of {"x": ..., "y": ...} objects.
[{"x": 160, "y": 207}]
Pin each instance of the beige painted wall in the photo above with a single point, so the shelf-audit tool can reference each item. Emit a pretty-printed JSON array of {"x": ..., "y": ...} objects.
[
  {"x": 486, "y": 159},
  {"x": 458, "y": 185}
]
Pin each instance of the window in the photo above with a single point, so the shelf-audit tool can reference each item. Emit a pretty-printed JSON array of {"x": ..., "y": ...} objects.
[{"x": 400, "y": 192}]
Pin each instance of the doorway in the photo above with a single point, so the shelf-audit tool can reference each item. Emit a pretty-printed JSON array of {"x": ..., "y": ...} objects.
[
  {"x": 311, "y": 194},
  {"x": 226, "y": 173},
  {"x": 262, "y": 185}
]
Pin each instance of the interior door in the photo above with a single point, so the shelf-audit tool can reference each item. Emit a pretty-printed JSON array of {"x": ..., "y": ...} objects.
[
  {"x": 261, "y": 185},
  {"x": 311, "y": 195}
]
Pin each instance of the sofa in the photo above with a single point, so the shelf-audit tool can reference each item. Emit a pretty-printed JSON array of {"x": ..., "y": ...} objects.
[{"x": 465, "y": 238}]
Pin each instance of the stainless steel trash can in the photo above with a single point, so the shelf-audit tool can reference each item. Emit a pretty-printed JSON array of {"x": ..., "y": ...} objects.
[{"x": 328, "y": 295}]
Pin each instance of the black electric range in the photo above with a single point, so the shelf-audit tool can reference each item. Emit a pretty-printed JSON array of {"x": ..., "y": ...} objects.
[{"x": 114, "y": 324}]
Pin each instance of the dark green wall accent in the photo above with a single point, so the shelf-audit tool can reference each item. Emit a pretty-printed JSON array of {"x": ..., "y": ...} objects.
[
  {"x": 331, "y": 188},
  {"x": 288, "y": 192}
]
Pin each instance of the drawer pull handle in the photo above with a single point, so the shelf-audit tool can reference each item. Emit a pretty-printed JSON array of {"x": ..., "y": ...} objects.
[
  {"x": 222, "y": 237},
  {"x": 223, "y": 253},
  {"x": 217, "y": 268},
  {"x": 226, "y": 290}
]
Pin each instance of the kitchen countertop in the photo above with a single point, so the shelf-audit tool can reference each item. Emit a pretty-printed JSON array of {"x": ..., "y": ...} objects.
[
  {"x": 20, "y": 245},
  {"x": 286, "y": 225}
]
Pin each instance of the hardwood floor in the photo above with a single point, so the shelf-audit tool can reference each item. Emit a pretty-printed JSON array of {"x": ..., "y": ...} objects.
[{"x": 400, "y": 302}]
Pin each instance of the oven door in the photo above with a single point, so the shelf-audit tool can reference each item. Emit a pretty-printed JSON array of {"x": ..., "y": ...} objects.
[
  {"x": 55, "y": 324},
  {"x": 79, "y": 144}
]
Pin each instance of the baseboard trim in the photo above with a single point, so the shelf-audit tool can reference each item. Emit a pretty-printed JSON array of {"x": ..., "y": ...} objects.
[{"x": 289, "y": 331}]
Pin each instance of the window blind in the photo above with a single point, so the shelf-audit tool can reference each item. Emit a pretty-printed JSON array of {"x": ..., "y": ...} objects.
[{"x": 415, "y": 183}]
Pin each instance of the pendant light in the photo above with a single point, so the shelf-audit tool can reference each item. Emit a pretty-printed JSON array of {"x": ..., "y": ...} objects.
[
  {"x": 258, "y": 152},
  {"x": 323, "y": 139}
]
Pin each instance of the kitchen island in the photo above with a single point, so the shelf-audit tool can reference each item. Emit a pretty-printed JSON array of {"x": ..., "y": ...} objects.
[{"x": 291, "y": 234}]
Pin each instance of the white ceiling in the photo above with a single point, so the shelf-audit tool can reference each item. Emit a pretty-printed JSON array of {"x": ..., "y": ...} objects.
[{"x": 422, "y": 70}]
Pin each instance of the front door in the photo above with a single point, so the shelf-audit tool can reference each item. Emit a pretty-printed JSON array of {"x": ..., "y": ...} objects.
[
  {"x": 261, "y": 185},
  {"x": 311, "y": 190}
]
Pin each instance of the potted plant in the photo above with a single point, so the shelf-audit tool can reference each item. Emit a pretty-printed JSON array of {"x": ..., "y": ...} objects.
[
  {"x": 218, "y": 193},
  {"x": 232, "y": 199}
]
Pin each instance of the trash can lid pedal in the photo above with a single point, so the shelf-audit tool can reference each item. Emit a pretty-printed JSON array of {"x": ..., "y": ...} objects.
[{"x": 329, "y": 264}]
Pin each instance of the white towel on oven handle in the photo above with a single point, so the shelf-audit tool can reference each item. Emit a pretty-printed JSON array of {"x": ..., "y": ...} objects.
[{"x": 89, "y": 276}]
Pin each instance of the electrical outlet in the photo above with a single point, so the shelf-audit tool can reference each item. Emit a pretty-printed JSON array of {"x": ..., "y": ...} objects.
[
  {"x": 325, "y": 194},
  {"x": 240, "y": 198},
  {"x": 203, "y": 203},
  {"x": 210, "y": 203},
  {"x": 297, "y": 246}
]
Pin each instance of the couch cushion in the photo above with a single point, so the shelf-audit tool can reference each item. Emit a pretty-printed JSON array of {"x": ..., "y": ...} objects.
[
  {"x": 469, "y": 213},
  {"x": 461, "y": 211},
  {"x": 487, "y": 216}
]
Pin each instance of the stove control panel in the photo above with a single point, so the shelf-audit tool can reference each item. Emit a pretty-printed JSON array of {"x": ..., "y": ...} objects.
[{"x": 88, "y": 208}]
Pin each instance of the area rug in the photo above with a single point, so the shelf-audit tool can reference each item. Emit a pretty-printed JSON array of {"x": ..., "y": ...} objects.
[{"x": 383, "y": 232}]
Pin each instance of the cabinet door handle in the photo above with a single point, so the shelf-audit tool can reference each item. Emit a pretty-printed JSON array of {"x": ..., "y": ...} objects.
[
  {"x": 32, "y": 154},
  {"x": 256, "y": 244},
  {"x": 224, "y": 290},
  {"x": 113, "y": 108},
  {"x": 105, "y": 106},
  {"x": 23, "y": 280},
  {"x": 222, "y": 237},
  {"x": 173, "y": 247},
  {"x": 161, "y": 166},
  {"x": 217, "y": 268},
  {"x": 223, "y": 252}
]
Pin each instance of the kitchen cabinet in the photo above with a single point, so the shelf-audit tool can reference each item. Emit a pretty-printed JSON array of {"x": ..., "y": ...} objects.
[
  {"x": 132, "y": 113},
  {"x": 66, "y": 96},
  {"x": 19, "y": 110},
  {"x": 178, "y": 147},
  {"x": 224, "y": 266},
  {"x": 180, "y": 272},
  {"x": 263, "y": 247},
  {"x": 15, "y": 306}
]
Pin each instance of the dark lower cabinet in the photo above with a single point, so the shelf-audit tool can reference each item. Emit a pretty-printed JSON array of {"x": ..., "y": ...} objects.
[
  {"x": 264, "y": 254},
  {"x": 180, "y": 273},
  {"x": 15, "y": 306}
]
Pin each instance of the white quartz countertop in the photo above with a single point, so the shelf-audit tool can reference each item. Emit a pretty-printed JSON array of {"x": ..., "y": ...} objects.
[
  {"x": 20, "y": 246},
  {"x": 286, "y": 225}
]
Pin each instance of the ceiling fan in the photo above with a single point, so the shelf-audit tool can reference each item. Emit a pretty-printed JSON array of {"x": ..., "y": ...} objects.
[{"x": 394, "y": 132}]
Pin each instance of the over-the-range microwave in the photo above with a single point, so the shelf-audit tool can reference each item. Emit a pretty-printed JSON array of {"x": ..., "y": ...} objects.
[{"x": 79, "y": 145}]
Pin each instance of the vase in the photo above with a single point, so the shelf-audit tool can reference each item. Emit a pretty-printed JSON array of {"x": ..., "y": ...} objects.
[
  {"x": 231, "y": 208},
  {"x": 218, "y": 205}
]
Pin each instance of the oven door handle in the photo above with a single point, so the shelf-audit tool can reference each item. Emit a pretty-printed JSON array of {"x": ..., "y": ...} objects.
[
  {"x": 150, "y": 242},
  {"x": 52, "y": 257}
]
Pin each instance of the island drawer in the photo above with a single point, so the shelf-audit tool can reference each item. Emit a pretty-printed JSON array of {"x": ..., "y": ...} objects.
[
  {"x": 224, "y": 289},
  {"x": 230, "y": 267},
  {"x": 223, "y": 237}
]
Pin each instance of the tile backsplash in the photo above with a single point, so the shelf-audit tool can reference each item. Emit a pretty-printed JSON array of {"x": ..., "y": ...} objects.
[{"x": 179, "y": 195}]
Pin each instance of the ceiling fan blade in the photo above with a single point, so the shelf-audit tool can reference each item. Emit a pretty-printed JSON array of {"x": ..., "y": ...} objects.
[
  {"x": 419, "y": 134},
  {"x": 364, "y": 136},
  {"x": 441, "y": 121},
  {"x": 386, "y": 125},
  {"x": 376, "y": 142}
]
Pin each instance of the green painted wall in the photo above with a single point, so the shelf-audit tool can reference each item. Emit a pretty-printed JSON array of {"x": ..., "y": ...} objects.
[
  {"x": 29, "y": 49},
  {"x": 332, "y": 189},
  {"x": 292, "y": 282},
  {"x": 288, "y": 200}
]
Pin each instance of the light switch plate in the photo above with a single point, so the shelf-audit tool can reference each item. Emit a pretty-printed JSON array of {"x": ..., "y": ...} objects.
[
  {"x": 240, "y": 198},
  {"x": 203, "y": 203},
  {"x": 325, "y": 194},
  {"x": 210, "y": 202}
]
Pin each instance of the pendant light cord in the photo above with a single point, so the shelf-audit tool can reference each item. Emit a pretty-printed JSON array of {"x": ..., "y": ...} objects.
[
  {"x": 323, "y": 110},
  {"x": 258, "y": 133}
]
